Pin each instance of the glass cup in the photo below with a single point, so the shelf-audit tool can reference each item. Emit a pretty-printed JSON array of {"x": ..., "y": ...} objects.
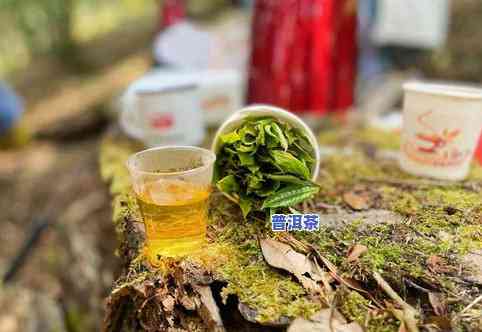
[{"x": 172, "y": 186}]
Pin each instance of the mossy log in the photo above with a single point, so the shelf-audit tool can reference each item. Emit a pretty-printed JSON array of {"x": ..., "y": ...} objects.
[{"x": 394, "y": 253}]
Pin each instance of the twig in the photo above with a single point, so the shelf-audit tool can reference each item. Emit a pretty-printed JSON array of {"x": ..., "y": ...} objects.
[
  {"x": 474, "y": 302},
  {"x": 39, "y": 225},
  {"x": 414, "y": 285},
  {"x": 409, "y": 312},
  {"x": 390, "y": 292},
  {"x": 330, "y": 320}
]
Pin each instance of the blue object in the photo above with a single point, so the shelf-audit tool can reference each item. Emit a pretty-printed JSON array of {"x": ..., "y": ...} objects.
[{"x": 11, "y": 108}]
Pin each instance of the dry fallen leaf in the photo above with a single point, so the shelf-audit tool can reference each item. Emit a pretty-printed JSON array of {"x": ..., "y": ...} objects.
[
  {"x": 356, "y": 201},
  {"x": 326, "y": 320},
  {"x": 438, "y": 303},
  {"x": 440, "y": 323},
  {"x": 208, "y": 310},
  {"x": 168, "y": 303},
  {"x": 355, "y": 251},
  {"x": 437, "y": 264},
  {"x": 282, "y": 256},
  {"x": 473, "y": 261}
]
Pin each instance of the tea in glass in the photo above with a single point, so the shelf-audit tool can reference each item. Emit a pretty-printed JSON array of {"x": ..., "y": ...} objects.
[{"x": 172, "y": 186}]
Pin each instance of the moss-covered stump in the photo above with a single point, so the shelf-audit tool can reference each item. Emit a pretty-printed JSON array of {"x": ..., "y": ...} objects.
[{"x": 394, "y": 253}]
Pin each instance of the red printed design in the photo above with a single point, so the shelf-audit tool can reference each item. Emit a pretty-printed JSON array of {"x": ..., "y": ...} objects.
[
  {"x": 161, "y": 121},
  {"x": 435, "y": 147}
]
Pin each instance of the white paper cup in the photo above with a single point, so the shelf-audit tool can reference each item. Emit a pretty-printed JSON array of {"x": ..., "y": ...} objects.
[
  {"x": 441, "y": 128},
  {"x": 235, "y": 120},
  {"x": 163, "y": 109}
]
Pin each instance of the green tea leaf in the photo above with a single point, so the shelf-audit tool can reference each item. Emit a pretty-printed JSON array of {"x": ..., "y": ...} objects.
[
  {"x": 303, "y": 144},
  {"x": 254, "y": 182},
  {"x": 246, "y": 159},
  {"x": 246, "y": 148},
  {"x": 289, "y": 164},
  {"x": 230, "y": 138},
  {"x": 290, "y": 196},
  {"x": 290, "y": 136},
  {"x": 253, "y": 168},
  {"x": 246, "y": 206},
  {"x": 287, "y": 178},
  {"x": 228, "y": 184},
  {"x": 248, "y": 135},
  {"x": 228, "y": 149},
  {"x": 260, "y": 138},
  {"x": 269, "y": 188},
  {"x": 279, "y": 133}
]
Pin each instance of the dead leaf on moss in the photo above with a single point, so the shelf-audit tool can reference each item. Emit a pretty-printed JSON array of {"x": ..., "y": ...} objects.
[
  {"x": 326, "y": 320},
  {"x": 355, "y": 251},
  {"x": 437, "y": 264},
  {"x": 282, "y": 256},
  {"x": 357, "y": 201},
  {"x": 208, "y": 309},
  {"x": 438, "y": 303}
]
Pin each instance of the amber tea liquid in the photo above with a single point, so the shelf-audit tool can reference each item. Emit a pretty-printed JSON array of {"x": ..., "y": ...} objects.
[{"x": 175, "y": 217}]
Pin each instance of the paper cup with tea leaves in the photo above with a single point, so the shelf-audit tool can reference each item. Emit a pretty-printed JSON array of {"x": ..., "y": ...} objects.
[
  {"x": 441, "y": 127},
  {"x": 239, "y": 117}
]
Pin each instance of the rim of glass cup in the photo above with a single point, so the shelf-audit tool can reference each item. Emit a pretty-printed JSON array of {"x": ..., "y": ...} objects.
[
  {"x": 445, "y": 89},
  {"x": 132, "y": 168}
]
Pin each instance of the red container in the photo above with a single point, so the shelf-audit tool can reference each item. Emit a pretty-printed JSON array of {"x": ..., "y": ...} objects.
[
  {"x": 303, "y": 55},
  {"x": 172, "y": 11},
  {"x": 478, "y": 152}
]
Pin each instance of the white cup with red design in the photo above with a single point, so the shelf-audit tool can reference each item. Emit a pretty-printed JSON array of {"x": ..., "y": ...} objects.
[
  {"x": 163, "y": 111},
  {"x": 441, "y": 127}
]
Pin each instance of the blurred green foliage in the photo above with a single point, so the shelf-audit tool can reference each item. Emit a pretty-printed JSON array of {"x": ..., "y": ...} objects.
[
  {"x": 55, "y": 27},
  {"x": 43, "y": 24}
]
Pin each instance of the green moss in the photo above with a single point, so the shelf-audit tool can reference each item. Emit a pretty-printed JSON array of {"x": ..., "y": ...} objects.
[
  {"x": 340, "y": 137},
  {"x": 383, "y": 139},
  {"x": 113, "y": 156},
  {"x": 399, "y": 201},
  {"x": 330, "y": 137},
  {"x": 270, "y": 293},
  {"x": 453, "y": 197},
  {"x": 124, "y": 205},
  {"x": 357, "y": 308},
  {"x": 354, "y": 306},
  {"x": 347, "y": 169},
  {"x": 468, "y": 238}
]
